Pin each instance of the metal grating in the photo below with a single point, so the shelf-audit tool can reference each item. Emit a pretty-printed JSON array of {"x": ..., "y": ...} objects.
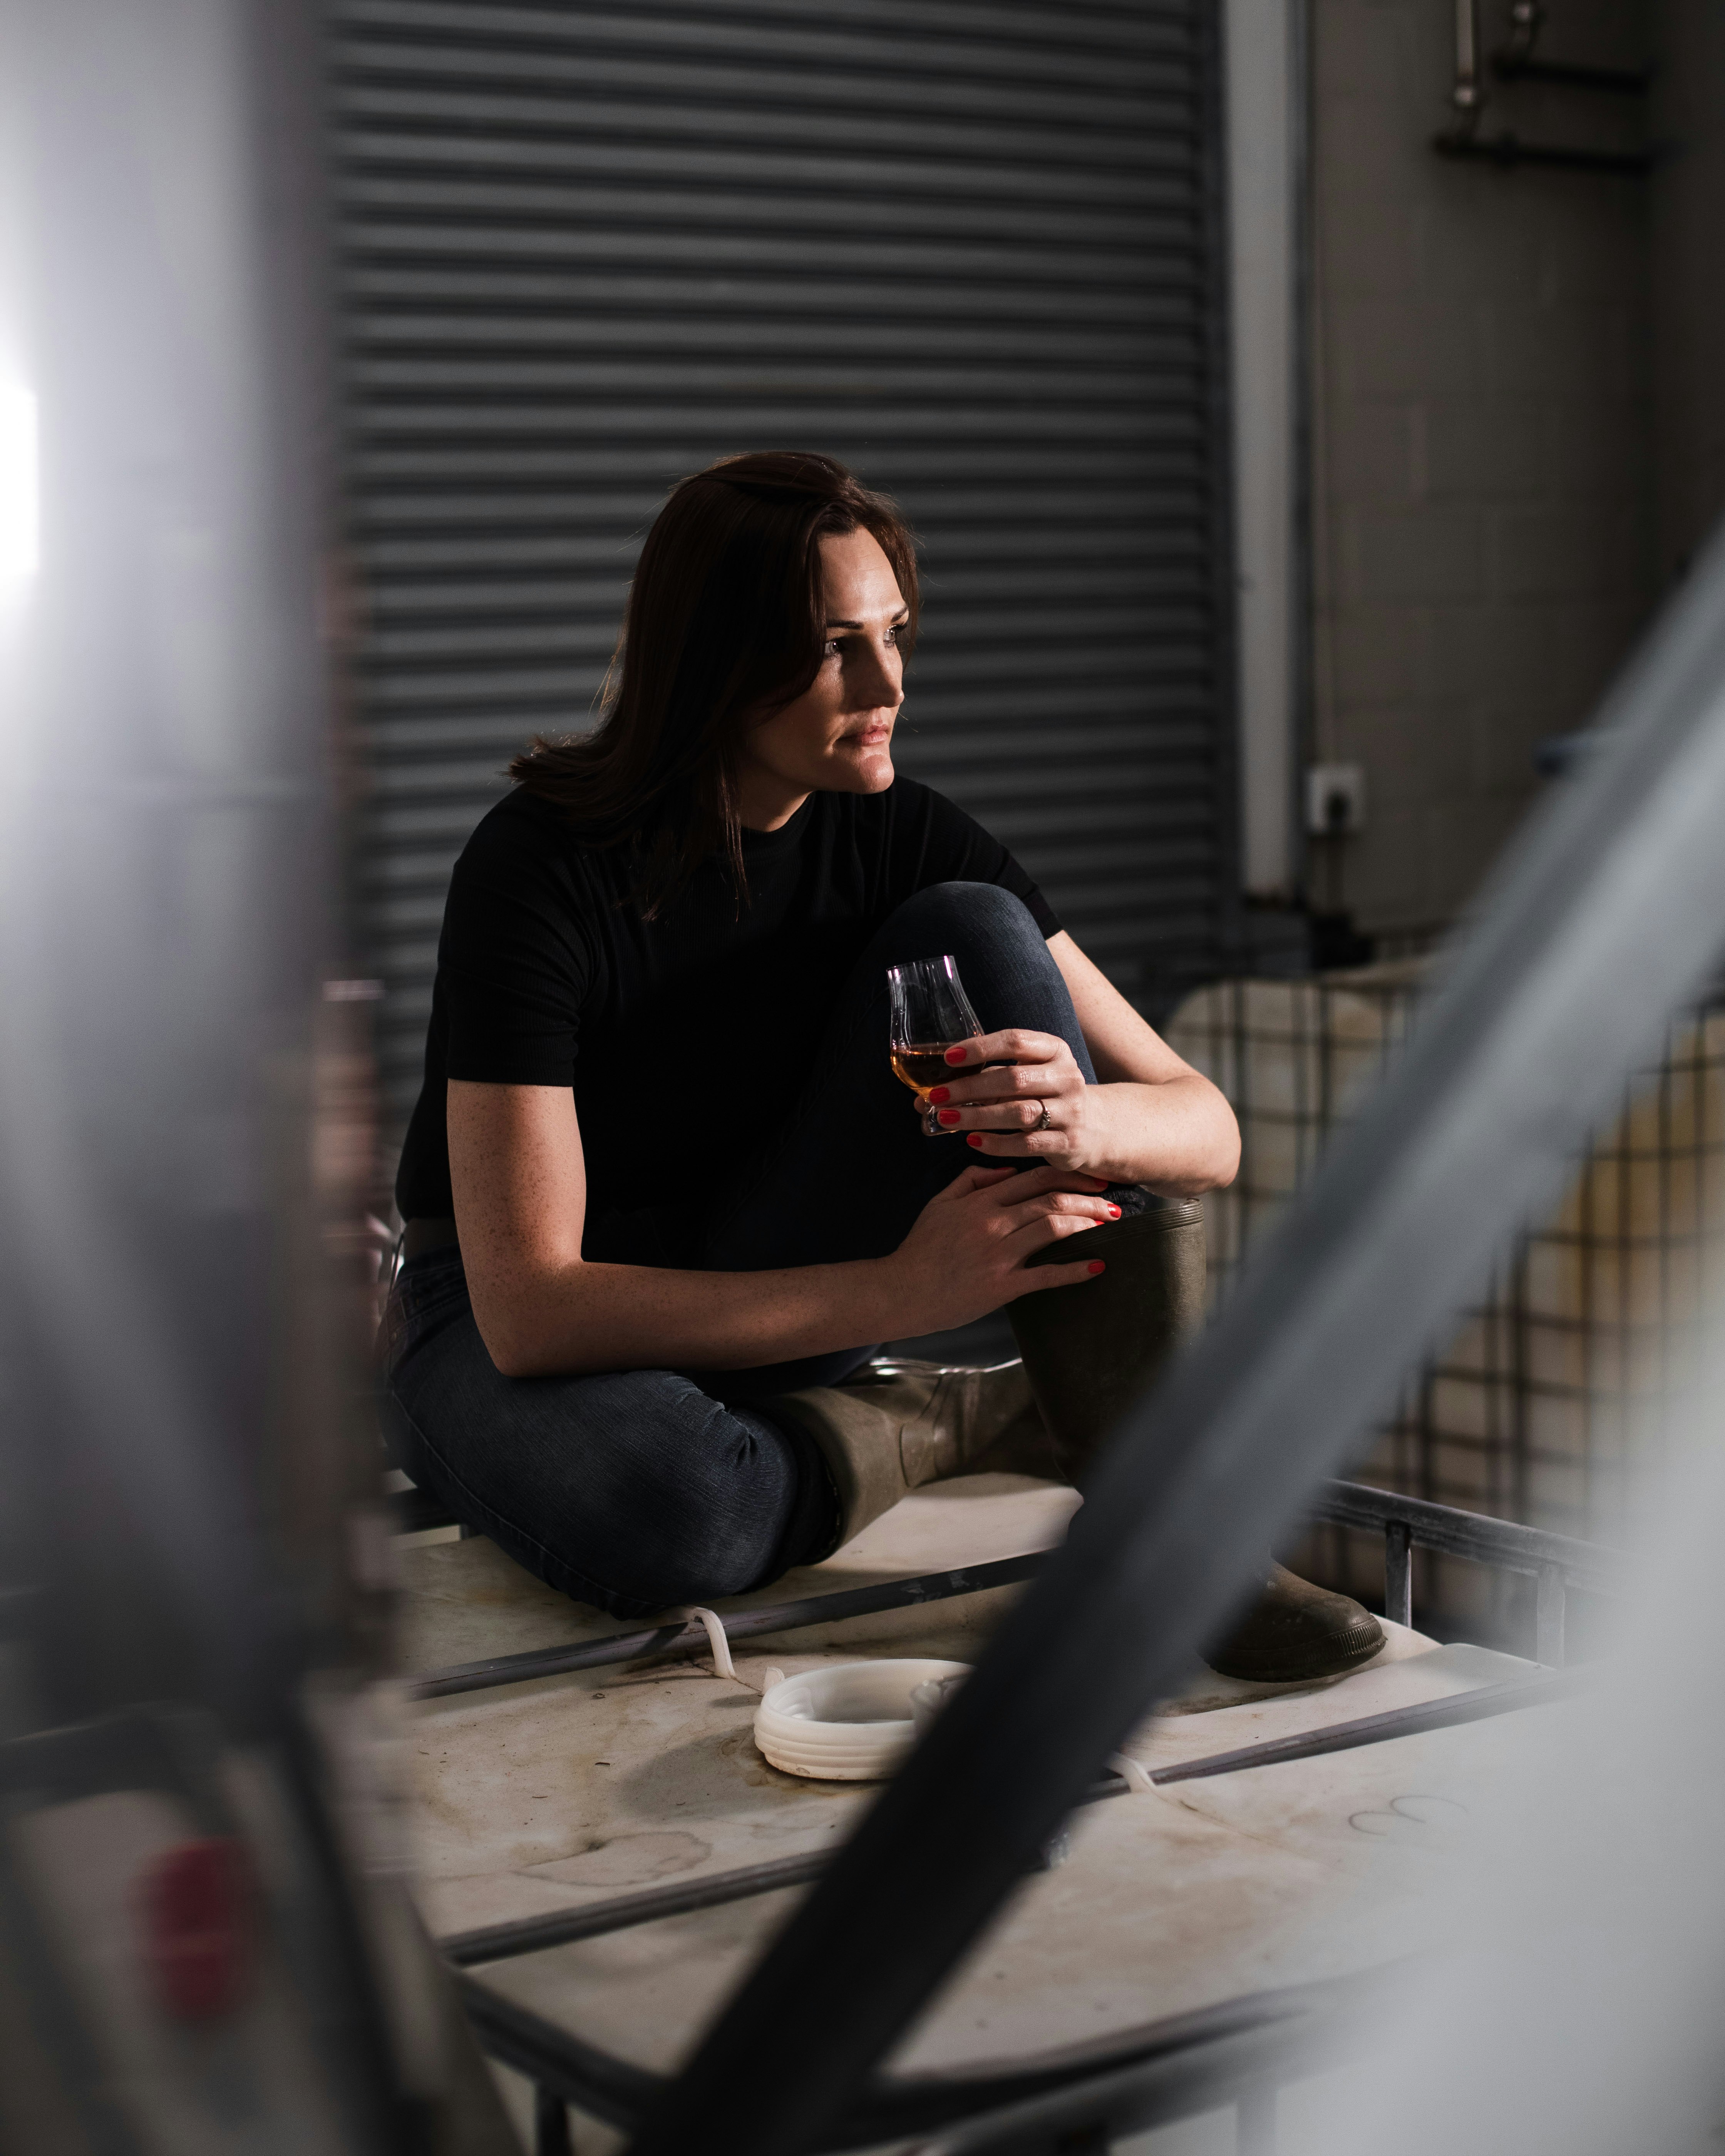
[
  {"x": 1553, "y": 1401},
  {"x": 969, "y": 246}
]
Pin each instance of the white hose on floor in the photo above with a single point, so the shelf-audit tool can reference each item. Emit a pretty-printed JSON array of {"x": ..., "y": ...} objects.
[
  {"x": 716, "y": 1639},
  {"x": 1135, "y": 1775}
]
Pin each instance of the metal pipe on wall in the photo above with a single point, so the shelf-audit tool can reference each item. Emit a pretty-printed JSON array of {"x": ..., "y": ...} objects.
[
  {"x": 1468, "y": 94},
  {"x": 1515, "y": 62},
  {"x": 1264, "y": 95}
]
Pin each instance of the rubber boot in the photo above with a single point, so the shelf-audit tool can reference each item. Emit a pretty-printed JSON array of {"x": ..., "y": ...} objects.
[
  {"x": 898, "y": 1424},
  {"x": 1092, "y": 1348},
  {"x": 1294, "y": 1632}
]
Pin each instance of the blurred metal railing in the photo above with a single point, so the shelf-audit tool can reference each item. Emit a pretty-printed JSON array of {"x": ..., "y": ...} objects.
[{"x": 1555, "y": 1563}]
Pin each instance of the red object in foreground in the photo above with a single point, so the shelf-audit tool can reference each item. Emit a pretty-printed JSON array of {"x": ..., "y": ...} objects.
[{"x": 196, "y": 1905}]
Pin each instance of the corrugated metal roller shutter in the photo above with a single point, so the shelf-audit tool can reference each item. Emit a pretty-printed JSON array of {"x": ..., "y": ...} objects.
[{"x": 969, "y": 246}]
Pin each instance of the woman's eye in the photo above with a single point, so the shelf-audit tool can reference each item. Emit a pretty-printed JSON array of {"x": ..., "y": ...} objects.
[{"x": 836, "y": 646}]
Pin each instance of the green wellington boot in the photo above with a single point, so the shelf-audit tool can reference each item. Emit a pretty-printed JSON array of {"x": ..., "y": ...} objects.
[
  {"x": 898, "y": 1424},
  {"x": 1090, "y": 1349}
]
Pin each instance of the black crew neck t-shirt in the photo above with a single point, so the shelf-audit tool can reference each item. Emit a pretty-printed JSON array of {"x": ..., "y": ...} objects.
[{"x": 673, "y": 1033}]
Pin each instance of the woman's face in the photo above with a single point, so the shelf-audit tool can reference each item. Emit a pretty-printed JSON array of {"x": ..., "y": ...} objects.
[{"x": 837, "y": 737}]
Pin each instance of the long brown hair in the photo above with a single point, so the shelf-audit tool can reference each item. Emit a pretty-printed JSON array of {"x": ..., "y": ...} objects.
[{"x": 725, "y": 623}]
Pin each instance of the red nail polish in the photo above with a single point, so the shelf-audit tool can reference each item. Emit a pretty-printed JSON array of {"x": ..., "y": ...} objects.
[
  {"x": 1113, "y": 1212},
  {"x": 937, "y": 1093},
  {"x": 972, "y": 1138},
  {"x": 955, "y": 1055},
  {"x": 949, "y": 1116},
  {"x": 1098, "y": 1267}
]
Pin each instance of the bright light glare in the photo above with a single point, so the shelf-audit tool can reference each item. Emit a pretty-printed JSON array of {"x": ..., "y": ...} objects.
[{"x": 20, "y": 494}]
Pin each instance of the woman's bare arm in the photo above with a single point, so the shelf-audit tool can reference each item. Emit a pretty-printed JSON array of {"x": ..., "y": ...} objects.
[
  {"x": 519, "y": 1173},
  {"x": 1172, "y": 1122},
  {"x": 1151, "y": 1118}
]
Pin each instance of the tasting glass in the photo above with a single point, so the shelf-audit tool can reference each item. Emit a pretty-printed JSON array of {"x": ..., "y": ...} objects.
[{"x": 930, "y": 1012}]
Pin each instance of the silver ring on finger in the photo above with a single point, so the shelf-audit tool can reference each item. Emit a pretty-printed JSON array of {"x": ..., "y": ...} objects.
[{"x": 1044, "y": 1122}]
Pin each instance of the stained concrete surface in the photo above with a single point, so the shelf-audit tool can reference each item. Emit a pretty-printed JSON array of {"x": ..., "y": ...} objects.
[{"x": 571, "y": 1790}]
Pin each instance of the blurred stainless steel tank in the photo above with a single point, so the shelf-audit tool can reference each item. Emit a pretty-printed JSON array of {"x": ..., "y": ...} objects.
[
  {"x": 199, "y": 1823},
  {"x": 167, "y": 870}
]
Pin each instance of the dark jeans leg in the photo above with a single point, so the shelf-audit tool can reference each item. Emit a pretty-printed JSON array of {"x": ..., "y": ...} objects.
[{"x": 633, "y": 1491}]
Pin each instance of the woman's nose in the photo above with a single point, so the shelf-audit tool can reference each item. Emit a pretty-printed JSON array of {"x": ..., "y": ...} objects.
[{"x": 877, "y": 679}]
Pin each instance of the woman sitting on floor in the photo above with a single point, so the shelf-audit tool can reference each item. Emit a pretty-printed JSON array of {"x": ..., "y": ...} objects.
[{"x": 664, "y": 1194}]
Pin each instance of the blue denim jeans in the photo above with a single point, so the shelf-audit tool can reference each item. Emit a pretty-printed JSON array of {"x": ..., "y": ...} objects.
[{"x": 636, "y": 1489}]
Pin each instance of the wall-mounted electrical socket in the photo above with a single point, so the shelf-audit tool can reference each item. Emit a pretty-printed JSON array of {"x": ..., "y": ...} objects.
[{"x": 1335, "y": 799}]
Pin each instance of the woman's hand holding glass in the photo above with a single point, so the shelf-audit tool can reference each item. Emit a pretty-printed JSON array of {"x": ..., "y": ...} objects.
[{"x": 1030, "y": 1102}]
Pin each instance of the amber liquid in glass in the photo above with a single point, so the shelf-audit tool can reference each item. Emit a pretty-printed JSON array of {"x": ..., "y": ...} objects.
[
  {"x": 920, "y": 1065},
  {"x": 927, "y": 1011}
]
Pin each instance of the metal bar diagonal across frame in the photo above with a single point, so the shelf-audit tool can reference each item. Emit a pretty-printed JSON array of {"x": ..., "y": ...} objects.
[
  {"x": 1607, "y": 911},
  {"x": 682, "y": 1637}
]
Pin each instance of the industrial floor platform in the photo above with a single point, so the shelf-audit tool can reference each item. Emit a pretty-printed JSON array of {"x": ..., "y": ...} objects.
[{"x": 574, "y": 1790}]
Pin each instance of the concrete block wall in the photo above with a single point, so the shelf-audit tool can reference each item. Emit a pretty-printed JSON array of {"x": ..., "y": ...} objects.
[
  {"x": 1689, "y": 276},
  {"x": 1483, "y": 430}
]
